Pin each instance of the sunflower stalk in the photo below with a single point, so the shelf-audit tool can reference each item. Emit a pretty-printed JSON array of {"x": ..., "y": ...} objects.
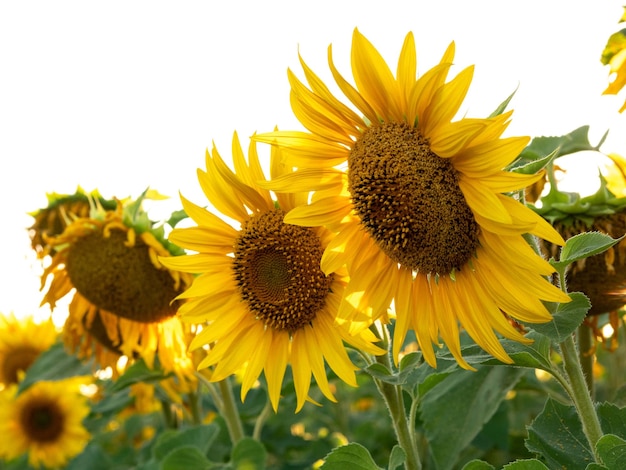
[
  {"x": 392, "y": 395},
  {"x": 586, "y": 355},
  {"x": 229, "y": 411},
  {"x": 578, "y": 390}
]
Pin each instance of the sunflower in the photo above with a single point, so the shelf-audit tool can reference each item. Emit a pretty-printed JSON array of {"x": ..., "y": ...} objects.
[
  {"x": 122, "y": 304},
  {"x": 417, "y": 202},
  {"x": 614, "y": 55},
  {"x": 44, "y": 421},
  {"x": 261, "y": 295},
  {"x": 61, "y": 209},
  {"x": 22, "y": 340}
]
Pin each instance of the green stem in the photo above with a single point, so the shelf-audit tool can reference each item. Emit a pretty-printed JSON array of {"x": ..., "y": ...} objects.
[
  {"x": 578, "y": 390},
  {"x": 230, "y": 412},
  {"x": 194, "y": 407},
  {"x": 580, "y": 394},
  {"x": 260, "y": 421},
  {"x": 226, "y": 406},
  {"x": 395, "y": 405},
  {"x": 586, "y": 356}
]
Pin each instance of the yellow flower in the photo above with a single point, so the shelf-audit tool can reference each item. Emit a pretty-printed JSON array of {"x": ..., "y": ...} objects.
[
  {"x": 122, "y": 303},
  {"x": 417, "y": 201},
  {"x": 44, "y": 421},
  {"x": 22, "y": 340},
  {"x": 261, "y": 293}
]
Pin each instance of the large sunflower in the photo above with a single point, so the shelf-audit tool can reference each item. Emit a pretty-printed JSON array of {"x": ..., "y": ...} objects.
[
  {"x": 122, "y": 303},
  {"x": 418, "y": 201},
  {"x": 261, "y": 293},
  {"x": 22, "y": 340},
  {"x": 45, "y": 421}
]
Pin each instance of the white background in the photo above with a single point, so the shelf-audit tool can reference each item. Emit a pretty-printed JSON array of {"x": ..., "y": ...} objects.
[{"x": 123, "y": 95}]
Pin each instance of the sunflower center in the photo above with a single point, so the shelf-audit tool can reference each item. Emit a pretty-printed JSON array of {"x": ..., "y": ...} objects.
[
  {"x": 409, "y": 200},
  {"x": 119, "y": 278},
  {"x": 17, "y": 361},
  {"x": 277, "y": 267},
  {"x": 42, "y": 421}
]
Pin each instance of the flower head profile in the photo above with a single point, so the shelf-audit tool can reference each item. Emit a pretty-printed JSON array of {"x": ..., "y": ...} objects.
[
  {"x": 419, "y": 201},
  {"x": 261, "y": 296},
  {"x": 123, "y": 299},
  {"x": 22, "y": 340},
  {"x": 45, "y": 421}
]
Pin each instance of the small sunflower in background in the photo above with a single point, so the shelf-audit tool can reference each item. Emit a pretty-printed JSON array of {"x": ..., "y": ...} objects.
[
  {"x": 614, "y": 55},
  {"x": 123, "y": 300},
  {"x": 260, "y": 295},
  {"x": 419, "y": 202},
  {"x": 52, "y": 220},
  {"x": 45, "y": 421},
  {"x": 22, "y": 340}
]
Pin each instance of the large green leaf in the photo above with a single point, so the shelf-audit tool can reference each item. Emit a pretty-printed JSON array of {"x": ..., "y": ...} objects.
[
  {"x": 353, "y": 456},
  {"x": 575, "y": 141},
  {"x": 248, "y": 454},
  {"x": 185, "y": 458},
  {"x": 55, "y": 364},
  {"x": 478, "y": 465},
  {"x": 612, "y": 419},
  {"x": 557, "y": 436},
  {"x": 138, "y": 372},
  {"x": 612, "y": 451},
  {"x": 566, "y": 319},
  {"x": 201, "y": 437},
  {"x": 454, "y": 411},
  {"x": 526, "y": 464},
  {"x": 584, "y": 245}
]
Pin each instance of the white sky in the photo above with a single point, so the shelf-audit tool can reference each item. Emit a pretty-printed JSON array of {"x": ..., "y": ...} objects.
[{"x": 125, "y": 95}]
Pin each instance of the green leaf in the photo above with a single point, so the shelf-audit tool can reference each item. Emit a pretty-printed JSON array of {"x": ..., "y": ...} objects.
[
  {"x": 612, "y": 419},
  {"x": 575, "y": 141},
  {"x": 557, "y": 436},
  {"x": 248, "y": 454},
  {"x": 138, "y": 372},
  {"x": 92, "y": 457},
  {"x": 502, "y": 106},
  {"x": 185, "y": 458},
  {"x": 584, "y": 245},
  {"x": 566, "y": 319},
  {"x": 612, "y": 451},
  {"x": 464, "y": 401},
  {"x": 396, "y": 458},
  {"x": 54, "y": 364},
  {"x": 176, "y": 217},
  {"x": 478, "y": 465},
  {"x": 534, "y": 166},
  {"x": 525, "y": 464},
  {"x": 200, "y": 437},
  {"x": 353, "y": 456}
]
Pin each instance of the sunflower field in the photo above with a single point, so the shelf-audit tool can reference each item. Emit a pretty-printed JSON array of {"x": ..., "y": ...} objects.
[{"x": 394, "y": 285}]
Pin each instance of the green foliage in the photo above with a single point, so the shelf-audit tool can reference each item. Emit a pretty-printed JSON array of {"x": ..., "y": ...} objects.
[
  {"x": 557, "y": 436},
  {"x": 353, "y": 456}
]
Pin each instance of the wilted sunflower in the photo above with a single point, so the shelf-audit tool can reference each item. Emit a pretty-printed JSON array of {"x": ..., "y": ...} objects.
[
  {"x": 22, "y": 340},
  {"x": 45, "y": 421},
  {"x": 51, "y": 220},
  {"x": 123, "y": 295},
  {"x": 601, "y": 277},
  {"x": 418, "y": 201},
  {"x": 261, "y": 293}
]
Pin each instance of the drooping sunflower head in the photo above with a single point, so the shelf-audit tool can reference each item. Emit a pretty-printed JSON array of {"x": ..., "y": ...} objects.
[
  {"x": 45, "y": 421},
  {"x": 423, "y": 205},
  {"x": 22, "y": 340},
  {"x": 261, "y": 296},
  {"x": 124, "y": 297},
  {"x": 52, "y": 220}
]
